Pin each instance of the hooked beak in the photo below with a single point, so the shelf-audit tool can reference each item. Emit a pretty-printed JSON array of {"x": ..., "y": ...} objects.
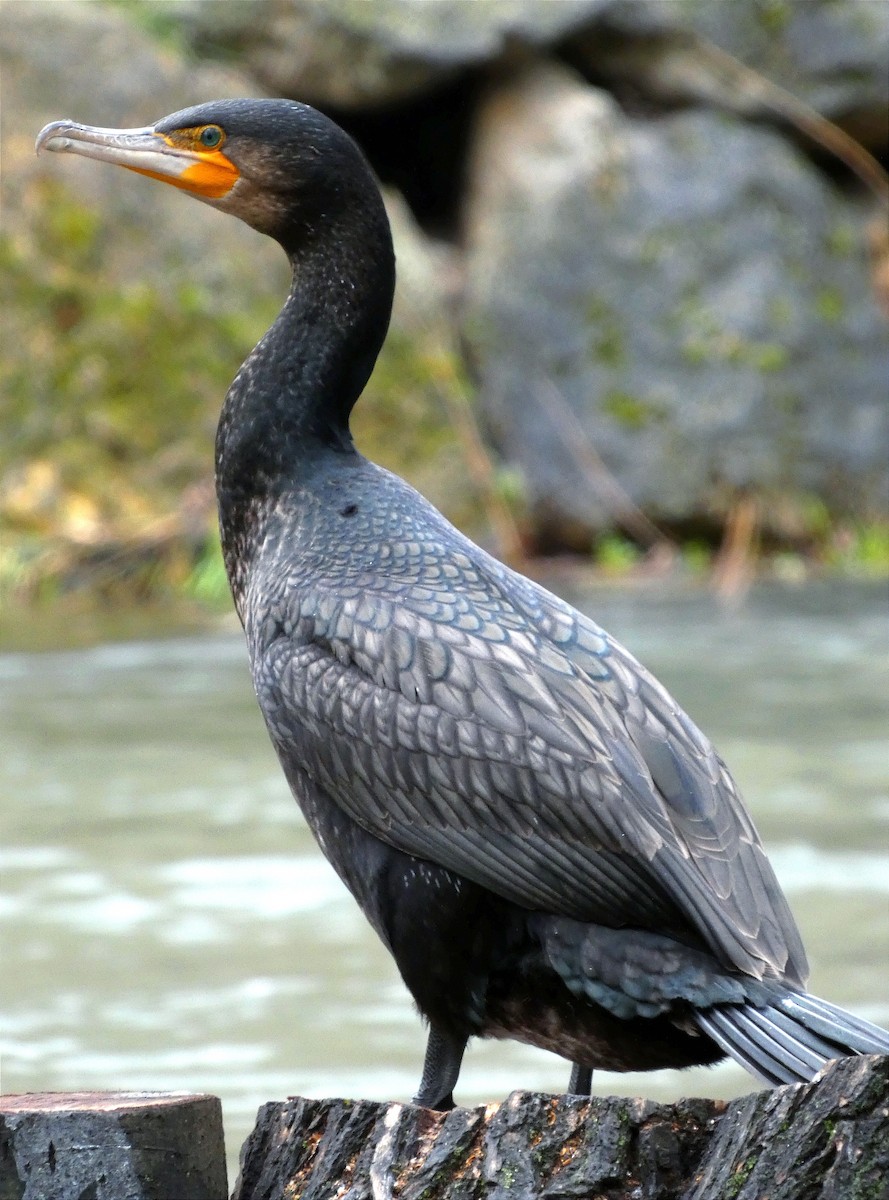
[{"x": 208, "y": 174}]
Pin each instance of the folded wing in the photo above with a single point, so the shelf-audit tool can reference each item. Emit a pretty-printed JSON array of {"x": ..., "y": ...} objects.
[{"x": 491, "y": 728}]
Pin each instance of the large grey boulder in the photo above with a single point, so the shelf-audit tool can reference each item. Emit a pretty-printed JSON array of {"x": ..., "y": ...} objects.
[
  {"x": 353, "y": 53},
  {"x": 689, "y": 290}
]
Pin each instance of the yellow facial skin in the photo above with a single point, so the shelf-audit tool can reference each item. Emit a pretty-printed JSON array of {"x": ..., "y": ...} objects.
[
  {"x": 212, "y": 175},
  {"x": 191, "y": 159}
]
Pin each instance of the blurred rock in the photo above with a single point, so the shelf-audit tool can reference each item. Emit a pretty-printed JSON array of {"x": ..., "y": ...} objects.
[
  {"x": 689, "y": 289},
  {"x": 350, "y": 53},
  {"x": 428, "y": 275},
  {"x": 832, "y": 54}
]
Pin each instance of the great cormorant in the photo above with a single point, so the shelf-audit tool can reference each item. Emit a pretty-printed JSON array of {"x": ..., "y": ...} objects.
[{"x": 546, "y": 843}]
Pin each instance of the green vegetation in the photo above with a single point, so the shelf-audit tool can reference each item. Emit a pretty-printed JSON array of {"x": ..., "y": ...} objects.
[
  {"x": 859, "y": 549},
  {"x": 780, "y": 312},
  {"x": 207, "y": 582},
  {"x": 607, "y": 341},
  {"x": 740, "y": 1177},
  {"x": 109, "y": 397},
  {"x": 630, "y": 411},
  {"x": 697, "y": 557},
  {"x": 615, "y": 555},
  {"x": 719, "y": 346},
  {"x": 773, "y": 15},
  {"x": 844, "y": 239},
  {"x": 703, "y": 339},
  {"x": 112, "y": 390},
  {"x": 816, "y": 545},
  {"x": 508, "y": 1174},
  {"x": 829, "y": 305}
]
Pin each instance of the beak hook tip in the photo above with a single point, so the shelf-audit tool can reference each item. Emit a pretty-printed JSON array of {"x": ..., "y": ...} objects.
[{"x": 50, "y": 133}]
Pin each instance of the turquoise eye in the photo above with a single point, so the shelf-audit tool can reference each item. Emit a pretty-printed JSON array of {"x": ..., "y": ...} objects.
[{"x": 211, "y": 136}]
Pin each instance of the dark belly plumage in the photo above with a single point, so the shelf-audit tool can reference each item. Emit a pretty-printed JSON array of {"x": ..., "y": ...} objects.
[{"x": 474, "y": 963}]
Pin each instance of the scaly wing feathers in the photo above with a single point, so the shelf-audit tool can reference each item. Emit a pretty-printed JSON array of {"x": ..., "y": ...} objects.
[{"x": 496, "y": 731}]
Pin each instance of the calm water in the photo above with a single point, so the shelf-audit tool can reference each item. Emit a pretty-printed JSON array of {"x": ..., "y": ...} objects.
[{"x": 169, "y": 924}]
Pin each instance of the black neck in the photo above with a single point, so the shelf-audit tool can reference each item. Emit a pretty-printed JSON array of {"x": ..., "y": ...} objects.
[{"x": 289, "y": 405}]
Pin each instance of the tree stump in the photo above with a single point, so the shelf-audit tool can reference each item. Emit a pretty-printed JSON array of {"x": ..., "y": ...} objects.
[
  {"x": 826, "y": 1140},
  {"x": 111, "y": 1146}
]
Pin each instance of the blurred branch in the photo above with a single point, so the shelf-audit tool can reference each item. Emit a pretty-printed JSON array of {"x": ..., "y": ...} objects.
[
  {"x": 734, "y": 567},
  {"x": 616, "y": 501},
  {"x": 763, "y": 91},
  {"x": 484, "y": 476}
]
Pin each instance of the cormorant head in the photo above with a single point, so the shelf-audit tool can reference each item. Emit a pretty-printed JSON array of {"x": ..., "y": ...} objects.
[{"x": 279, "y": 165}]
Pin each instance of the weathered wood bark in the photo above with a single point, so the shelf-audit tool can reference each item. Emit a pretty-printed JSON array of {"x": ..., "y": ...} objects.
[
  {"x": 111, "y": 1146},
  {"x": 827, "y": 1140}
]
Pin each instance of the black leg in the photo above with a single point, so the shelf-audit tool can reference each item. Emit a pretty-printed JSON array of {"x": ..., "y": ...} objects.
[
  {"x": 581, "y": 1081},
  {"x": 441, "y": 1067}
]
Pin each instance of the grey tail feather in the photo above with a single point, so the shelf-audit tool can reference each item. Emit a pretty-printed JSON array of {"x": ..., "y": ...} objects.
[{"x": 790, "y": 1039}]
